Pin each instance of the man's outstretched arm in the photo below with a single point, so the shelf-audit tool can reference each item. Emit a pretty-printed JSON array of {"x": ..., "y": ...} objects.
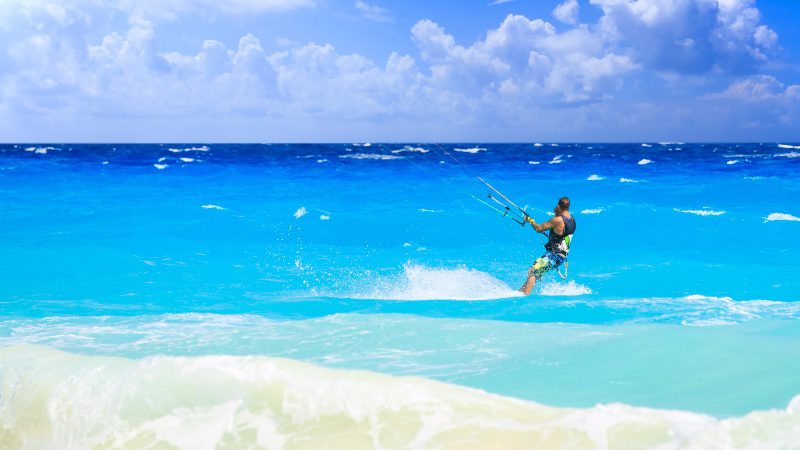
[{"x": 539, "y": 227}]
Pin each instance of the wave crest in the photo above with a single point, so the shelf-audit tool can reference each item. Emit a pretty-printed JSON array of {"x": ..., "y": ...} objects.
[{"x": 227, "y": 401}]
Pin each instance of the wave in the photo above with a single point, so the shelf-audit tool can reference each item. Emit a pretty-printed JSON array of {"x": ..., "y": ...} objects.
[
  {"x": 373, "y": 156},
  {"x": 423, "y": 283},
  {"x": 39, "y": 150},
  {"x": 160, "y": 166},
  {"x": 410, "y": 149},
  {"x": 781, "y": 216},
  {"x": 788, "y": 155},
  {"x": 700, "y": 212},
  {"x": 643, "y": 162},
  {"x": 247, "y": 401},
  {"x": 472, "y": 150},
  {"x": 595, "y": 178},
  {"x": 592, "y": 211},
  {"x": 213, "y": 207},
  {"x": 796, "y": 147},
  {"x": 732, "y": 162},
  {"x": 302, "y": 211},
  {"x": 628, "y": 180}
]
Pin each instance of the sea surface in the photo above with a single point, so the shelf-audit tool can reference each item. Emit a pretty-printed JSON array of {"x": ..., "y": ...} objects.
[{"x": 202, "y": 296}]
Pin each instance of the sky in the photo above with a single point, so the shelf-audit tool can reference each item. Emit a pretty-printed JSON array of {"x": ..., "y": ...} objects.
[{"x": 399, "y": 70}]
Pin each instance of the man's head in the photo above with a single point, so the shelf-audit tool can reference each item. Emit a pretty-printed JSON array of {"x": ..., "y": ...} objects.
[{"x": 562, "y": 207}]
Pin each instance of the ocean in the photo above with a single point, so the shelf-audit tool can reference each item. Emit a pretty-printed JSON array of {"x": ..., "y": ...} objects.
[{"x": 202, "y": 296}]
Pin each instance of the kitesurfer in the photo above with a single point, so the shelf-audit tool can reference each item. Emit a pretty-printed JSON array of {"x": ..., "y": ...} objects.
[{"x": 561, "y": 227}]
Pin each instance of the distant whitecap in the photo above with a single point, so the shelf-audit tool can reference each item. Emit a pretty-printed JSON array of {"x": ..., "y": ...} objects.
[
  {"x": 300, "y": 212},
  {"x": 643, "y": 162},
  {"x": 700, "y": 212},
  {"x": 776, "y": 216},
  {"x": 472, "y": 150},
  {"x": 595, "y": 178},
  {"x": 213, "y": 207},
  {"x": 160, "y": 166},
  {"x": 592, "y": 211}
]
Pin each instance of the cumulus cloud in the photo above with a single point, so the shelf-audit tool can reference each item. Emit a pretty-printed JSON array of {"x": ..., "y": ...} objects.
[
  {"x": 760, "y": 88},
  {"x": 72, "y": 59},
  {"x": 567, "y": 12},
  {"x": 374, "y": 13},
  {"x": 689, "y": 36}
]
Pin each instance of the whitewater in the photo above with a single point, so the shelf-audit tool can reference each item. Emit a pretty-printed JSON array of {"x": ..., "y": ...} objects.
[{"x": 201, "y": 296}]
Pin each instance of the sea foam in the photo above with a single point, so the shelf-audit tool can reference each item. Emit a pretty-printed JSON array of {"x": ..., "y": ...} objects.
[
  {"x": 700, "y": 212},
  {"x": 781, "y": 216},
  {"x": 70, "y": 401}
]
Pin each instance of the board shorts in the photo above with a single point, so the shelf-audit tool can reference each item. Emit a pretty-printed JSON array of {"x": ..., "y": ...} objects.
[{"x": 546, "y": 263}]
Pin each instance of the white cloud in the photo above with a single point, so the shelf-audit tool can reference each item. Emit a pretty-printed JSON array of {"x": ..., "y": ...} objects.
[
  {"x": 374, "y": 13},
  {"x": 71, "y": 59},
  {"x": 689, "y": 36},
  {"x": 759, "y": 88},
  {"x": 567, "y": 12}
]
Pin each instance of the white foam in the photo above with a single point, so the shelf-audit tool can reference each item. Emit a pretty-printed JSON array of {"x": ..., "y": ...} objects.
[
  {"x": 538, "y": 145},
  {"x": 320, "y": 161},
  {"x": 175, "y": 150},
  {"x": 202, "y": 148},
  {"x": 209, "y": 206},
  {"x": 732, "y": 162},
  {"x": 187, "y": 160},
  {"x": 410, "y": 149},
  {"x": 160, "y": 166},
  {"x": 558, "y": 289},
  {"x": 788, "y": 155},
  {"x": 796, "y": 147},
  {"x": 300, "y": 212},
  {"x": 627, "y": 180},
  {"x": 592, "y": 211},
  {"x": 595, "y": 178},
  {"x": 324, "y": 217},
  {"x": 533, "y": 163},
  {"x": 39, "y": 150},
  {"x": 373, "y": 156},
  {"x": 700, "y": 212},
  {"x": 472, "y": 150},
  {"x": 105, "y": 163},
  {"x": 424, "y": 283},
  {"x": 425, "y": 210},
  {"x": 556, "y": 160},
  {"x": 64, "y": 400},
  {"x": 781, "y": 216},
  {"x": 644, "y": 161}
]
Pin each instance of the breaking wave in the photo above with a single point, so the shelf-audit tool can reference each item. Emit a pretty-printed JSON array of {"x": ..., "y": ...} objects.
[{"x": 55, "y": 399}]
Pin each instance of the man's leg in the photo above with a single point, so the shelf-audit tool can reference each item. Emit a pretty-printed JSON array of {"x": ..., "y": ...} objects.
[
  {"x": 539, "y": 267},
  {"x": 529, "y": 283}
]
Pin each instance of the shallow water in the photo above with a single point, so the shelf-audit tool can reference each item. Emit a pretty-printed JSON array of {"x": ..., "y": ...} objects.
[{"x": 681, "y": 294}]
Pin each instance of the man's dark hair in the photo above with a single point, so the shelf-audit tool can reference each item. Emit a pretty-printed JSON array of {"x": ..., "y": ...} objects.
[{"x": 563, "y": 203}]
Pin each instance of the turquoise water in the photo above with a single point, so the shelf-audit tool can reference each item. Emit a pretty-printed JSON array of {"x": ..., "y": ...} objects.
[{"x": 681, "y": 295}]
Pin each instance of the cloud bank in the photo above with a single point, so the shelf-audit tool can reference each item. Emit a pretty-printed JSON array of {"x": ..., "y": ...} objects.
[{"x": 56, "y": 67}]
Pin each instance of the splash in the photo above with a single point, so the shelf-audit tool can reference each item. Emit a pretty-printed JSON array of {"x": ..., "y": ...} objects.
[
  {"x": 423, "y": 283},
  {"x": 556, "y": 289}
]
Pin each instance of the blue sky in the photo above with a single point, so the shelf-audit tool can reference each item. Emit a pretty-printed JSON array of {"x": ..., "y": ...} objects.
[{"x": 388, "y": 70}]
